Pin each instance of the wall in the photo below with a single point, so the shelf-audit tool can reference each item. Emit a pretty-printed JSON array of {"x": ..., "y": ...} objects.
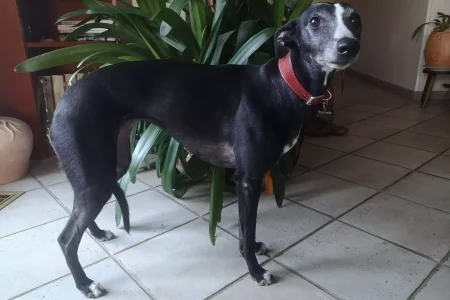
[
  {"x": 387, "y": 52},
  {"x": 434, "y": 7}
]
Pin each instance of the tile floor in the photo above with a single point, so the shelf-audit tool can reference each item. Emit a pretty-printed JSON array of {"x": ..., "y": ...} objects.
[{"x": 366, "y": 216}]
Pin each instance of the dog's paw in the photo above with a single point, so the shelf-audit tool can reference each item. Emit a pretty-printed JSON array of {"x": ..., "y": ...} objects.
[
  {"x": 105, "y": 236},
  {"x": 94, "y": 290},
  {"x": 261, "y": 249},
  {"x": 264, "y": 279}
]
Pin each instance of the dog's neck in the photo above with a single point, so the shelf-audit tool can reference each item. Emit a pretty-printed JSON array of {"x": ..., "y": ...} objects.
[{"x": 313, "y": 77}]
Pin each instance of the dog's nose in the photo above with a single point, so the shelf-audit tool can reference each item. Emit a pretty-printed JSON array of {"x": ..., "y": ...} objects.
[{"x": 348, "y": 47}]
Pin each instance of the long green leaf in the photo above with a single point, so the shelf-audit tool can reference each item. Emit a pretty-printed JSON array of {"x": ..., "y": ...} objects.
[
  {"x": 151, "y": 6},
  {"x": 169, "y": 169},
  {"x": 221, "y": 41},
  {"x": 212, "y": 40},
  {"x": 174, "y": 43},
  {"x": 301, "y": 6},
  {"x": 180, "y": 30},
  {"x": 145, "y": 144},
  {"x": 245, "y": 32},
  {"x": 177, "y": 6},
  {"x": 138, "y": 25},
  {"x": 278, "y": 12},
  {"x": 220, "y": 5},
  {"x": 216, "y": 204},
  {"x": 85, "y": 28},
  {"x": 197, "y": 19},
  {"x": 92, "y": 3},
  {"x": 251, "y": 46},
  {"x": 72, "y": 55}
]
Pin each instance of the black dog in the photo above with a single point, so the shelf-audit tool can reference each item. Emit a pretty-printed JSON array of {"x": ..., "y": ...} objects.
[{"x": 240, "y": 117}]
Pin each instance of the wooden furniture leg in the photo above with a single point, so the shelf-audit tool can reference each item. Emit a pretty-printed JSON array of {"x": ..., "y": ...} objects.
[{"x": 428, "y": 89}]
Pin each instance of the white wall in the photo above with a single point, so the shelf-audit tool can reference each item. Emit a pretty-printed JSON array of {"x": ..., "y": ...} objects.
[
  {"x": 434, "y": 7},
  {"x": 387, "y": 52}
]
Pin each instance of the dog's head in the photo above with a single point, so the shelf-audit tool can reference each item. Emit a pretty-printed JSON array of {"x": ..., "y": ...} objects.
[{"x": 327, "y": 33}]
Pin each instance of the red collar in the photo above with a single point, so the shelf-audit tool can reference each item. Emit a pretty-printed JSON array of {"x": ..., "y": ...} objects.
[{"x": 287, "y": 72}]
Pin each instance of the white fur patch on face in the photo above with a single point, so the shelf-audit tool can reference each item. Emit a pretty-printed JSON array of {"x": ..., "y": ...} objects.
[{"x": 341, "y": 29}]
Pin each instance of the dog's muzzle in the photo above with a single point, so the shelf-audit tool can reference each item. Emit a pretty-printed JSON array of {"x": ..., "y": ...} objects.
[{"x": 348, "y": 48}]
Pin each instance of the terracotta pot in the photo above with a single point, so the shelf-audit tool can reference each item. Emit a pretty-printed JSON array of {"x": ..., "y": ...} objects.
[
  {"x": 16, "y": 144},
  {"x": 437, "y": 50}
]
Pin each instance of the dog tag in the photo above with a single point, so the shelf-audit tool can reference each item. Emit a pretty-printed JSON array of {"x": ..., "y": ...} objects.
[{"x": 324, "y": 113}]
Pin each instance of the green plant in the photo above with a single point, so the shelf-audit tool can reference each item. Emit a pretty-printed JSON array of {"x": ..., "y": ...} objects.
[
  {"x": 441, "y": 23},
  {"x": 234, "y": 32}
]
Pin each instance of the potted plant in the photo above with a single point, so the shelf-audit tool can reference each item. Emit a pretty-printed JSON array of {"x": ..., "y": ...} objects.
[{"x": 437, "y": 49}]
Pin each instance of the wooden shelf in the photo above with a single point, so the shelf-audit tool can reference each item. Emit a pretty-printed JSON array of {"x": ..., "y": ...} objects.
[{"x": 59, "y": 44}]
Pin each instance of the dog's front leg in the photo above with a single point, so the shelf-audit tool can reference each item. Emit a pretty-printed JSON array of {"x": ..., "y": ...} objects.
[{"x": 249, "y": 189}]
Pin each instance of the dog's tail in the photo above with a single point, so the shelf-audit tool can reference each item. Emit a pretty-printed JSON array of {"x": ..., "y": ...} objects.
[{"x": 122, "y": 200}]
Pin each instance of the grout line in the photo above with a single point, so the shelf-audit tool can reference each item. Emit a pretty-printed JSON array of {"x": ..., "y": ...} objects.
[
  {"x": 308, "y": 280},
  {"x": 430, "y": 275},
  {"x": 56, "y": 279},
  {"x": 36, "y": 226},
  {"x": 229, "y": 285},
  {"x": 417, "y": 203},
  {"x": 152, "y": 237},
  {"x": 390, "y": 242}
]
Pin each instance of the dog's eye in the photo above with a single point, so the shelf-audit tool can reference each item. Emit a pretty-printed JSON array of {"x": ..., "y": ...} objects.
[{"x": 315, "y": 22}]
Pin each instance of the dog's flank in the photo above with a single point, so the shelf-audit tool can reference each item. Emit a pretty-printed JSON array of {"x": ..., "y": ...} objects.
[{"x": 240, "y": 117}]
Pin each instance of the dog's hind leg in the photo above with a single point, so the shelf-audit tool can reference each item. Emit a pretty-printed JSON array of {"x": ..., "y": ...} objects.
[{"x": 87, "y": 205}]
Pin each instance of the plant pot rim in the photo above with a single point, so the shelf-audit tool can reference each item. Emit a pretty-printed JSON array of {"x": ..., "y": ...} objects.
[{"x": 436, "y": 32}]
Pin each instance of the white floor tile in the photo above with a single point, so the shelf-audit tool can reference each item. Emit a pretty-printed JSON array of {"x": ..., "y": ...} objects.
[
  {"x": 363, "y": 171},
  {"x": 347, "y": 143},
  {"x": 312, "y": 156},
  {"x": 440, "y": 166},
  {"x": 32, "y": 258},
  {"x": 27, "y": 183},
  {"x": 435, "y": 126},
  {"x": 288, "y": 286},
  {"x": 422, "y": 188},
  {"x": 422, "y": 229},
  {"x": 410, "y": 114},
  {"x": 395, "y": 123},
  {"x": 116, "y": 282},
  {"x": 370, "y": 131},
  {"x": 325, "y": 193},
  {"x": 420, "y": 141},
  {"x": 437, "y": 288},
  {"x": 357, "y": 266},
  {"x": 182, "y": 264},
  {"x": 31, "y": 209},
  {"x": 397, "y": 155},
  {"x": 151, "y": 213},
  {"x": 149, "y": 178},
  {"x": 271, "y": 227},
  {"x": 373, "y": 109}
]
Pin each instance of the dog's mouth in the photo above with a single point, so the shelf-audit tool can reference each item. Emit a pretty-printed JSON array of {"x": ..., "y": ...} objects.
[{"x": 340, "y": 63}]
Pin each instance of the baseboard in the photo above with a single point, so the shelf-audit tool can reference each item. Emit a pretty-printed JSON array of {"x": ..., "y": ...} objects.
[{"x": 393, "y": 88}]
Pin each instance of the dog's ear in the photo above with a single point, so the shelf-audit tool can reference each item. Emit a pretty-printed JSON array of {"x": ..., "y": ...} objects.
[{"x": 285, "y": 38}]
